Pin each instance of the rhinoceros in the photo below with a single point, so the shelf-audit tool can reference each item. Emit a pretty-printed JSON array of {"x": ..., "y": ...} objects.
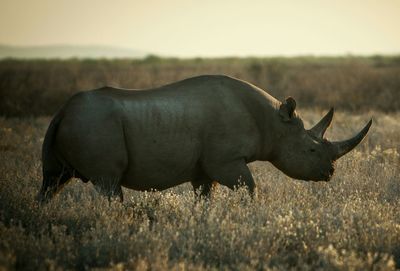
[{"x": 204, "y": 129}]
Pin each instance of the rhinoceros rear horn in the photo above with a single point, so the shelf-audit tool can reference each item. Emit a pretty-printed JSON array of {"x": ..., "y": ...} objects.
[
  {"x": 343, "y": 147},
  {"x": 319, "y": 129},
  {"x": 286, "y": 110}
]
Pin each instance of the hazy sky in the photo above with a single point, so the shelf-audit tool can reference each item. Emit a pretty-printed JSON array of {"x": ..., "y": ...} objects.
[{"x": 206, "y": 27}]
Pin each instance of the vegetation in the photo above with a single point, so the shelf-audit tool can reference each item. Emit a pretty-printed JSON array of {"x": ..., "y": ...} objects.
[
  {"x": 33, "y": 88},
  {"x": 350, "y": 223}
]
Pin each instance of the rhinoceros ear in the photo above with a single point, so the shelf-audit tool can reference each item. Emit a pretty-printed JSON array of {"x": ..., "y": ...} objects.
[{"x": 286, "y": 110}]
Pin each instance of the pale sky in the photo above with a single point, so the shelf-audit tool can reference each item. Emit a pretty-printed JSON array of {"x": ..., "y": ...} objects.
[{"x": 208, "y": 28}]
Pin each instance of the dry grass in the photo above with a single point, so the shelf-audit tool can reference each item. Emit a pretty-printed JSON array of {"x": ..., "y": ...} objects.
[
  {"x": 351, "y": 223},
  {"x": 34, "y": 88}
]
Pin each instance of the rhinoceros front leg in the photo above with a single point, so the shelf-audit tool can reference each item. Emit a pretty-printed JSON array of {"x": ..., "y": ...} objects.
[
  {"x": 202, "y": 187},
  {"x": 109, "y": 188},
  {"x": 232, "y": 174}
]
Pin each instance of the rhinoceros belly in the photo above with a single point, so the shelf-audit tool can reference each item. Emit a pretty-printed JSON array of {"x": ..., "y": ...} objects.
[{"x": 159, "y": 163}]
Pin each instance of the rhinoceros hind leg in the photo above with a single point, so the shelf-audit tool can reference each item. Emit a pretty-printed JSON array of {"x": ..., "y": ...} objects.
[
  {"x": 232, "y": 174},
  {"x": 53, "y": 182}
]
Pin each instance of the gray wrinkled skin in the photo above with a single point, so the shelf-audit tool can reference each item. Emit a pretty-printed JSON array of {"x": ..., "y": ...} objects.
[{"x": 203, "y": 129}]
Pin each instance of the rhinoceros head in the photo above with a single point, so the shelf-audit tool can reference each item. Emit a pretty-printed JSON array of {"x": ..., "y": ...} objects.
[{"x": 306, "y": 154}]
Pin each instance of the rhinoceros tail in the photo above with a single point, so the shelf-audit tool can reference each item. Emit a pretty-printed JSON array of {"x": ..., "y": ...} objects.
[
  {"x": 54, "y": 173},
  {"x": 48, "y": 155}
]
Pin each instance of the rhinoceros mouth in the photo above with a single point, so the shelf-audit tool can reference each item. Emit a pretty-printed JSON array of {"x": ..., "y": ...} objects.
[
  {"x": 327, "y": 175},
  {"x": 326, "y": 178}
]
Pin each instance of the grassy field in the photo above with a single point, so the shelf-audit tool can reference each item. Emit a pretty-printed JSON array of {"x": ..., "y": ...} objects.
[{"x": 350, "y": 223}]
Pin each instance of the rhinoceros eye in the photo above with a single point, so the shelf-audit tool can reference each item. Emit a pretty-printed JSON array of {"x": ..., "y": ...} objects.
[{"x": 312, "y": 150}]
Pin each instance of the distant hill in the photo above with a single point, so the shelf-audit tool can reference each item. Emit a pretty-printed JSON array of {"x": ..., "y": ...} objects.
[{"x": 68, "y": 51}]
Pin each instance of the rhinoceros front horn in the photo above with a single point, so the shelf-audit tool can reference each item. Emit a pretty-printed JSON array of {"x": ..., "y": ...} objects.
[
  {"x": 343, "y": 147},
  {"x": 319, "y": 129}
]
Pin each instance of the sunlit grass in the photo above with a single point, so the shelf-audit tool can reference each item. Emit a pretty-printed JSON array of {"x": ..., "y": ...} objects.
[{"x": 350, "y": 223}]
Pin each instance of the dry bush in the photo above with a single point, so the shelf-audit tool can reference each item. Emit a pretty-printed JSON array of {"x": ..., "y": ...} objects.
[
  {"x": 32, "y": 88},
  {"x": 350, "y": 223}
]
